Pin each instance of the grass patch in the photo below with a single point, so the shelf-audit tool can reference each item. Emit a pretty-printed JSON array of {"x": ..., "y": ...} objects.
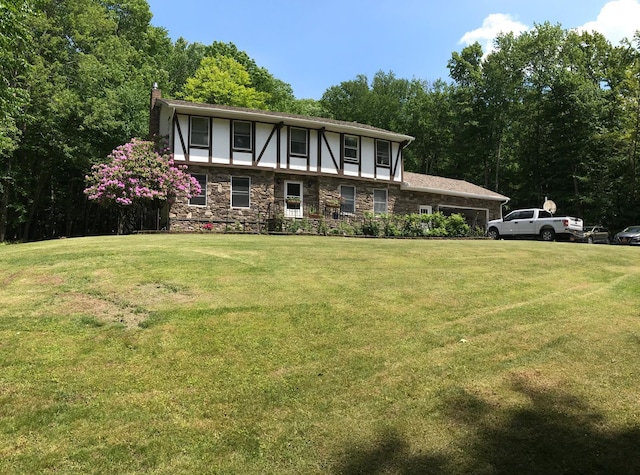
[{"x": 269, "y": 354}]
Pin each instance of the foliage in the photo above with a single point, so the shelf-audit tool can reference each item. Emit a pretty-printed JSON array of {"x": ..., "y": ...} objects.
[
  {"x": 136, "y": 172},
  {"x": 457, "y": 226},
  {"x": 297, "y": 226},
  {"x": 371, "y": 225},
  {"x": 278, "y": 94},
  {"x": 15, "y": 48},
  {"x": 15, "y": 45},
  {"x": 549, "y": 113},
  {"x": 389, "y": 225},
  {"x": 222, "y": 80},
  {"x": 88, "y": 76}
]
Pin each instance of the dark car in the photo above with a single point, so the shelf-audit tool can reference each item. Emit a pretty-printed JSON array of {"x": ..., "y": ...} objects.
[
  {"x": 629, "y": 235},
  {"x": 596, "y": 234}
]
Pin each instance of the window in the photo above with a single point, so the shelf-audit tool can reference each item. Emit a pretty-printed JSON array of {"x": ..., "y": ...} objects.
[
  {"x": 383, "y": 153},
  {"x": 348, "y": 198},
  {"x": 351, "y": 147},
  {"x": 240, "y": 192},
  {"x": 293, "y": 205},
  {"x": 199, "y": 132},
  {"x": 242, "y": 136},
  {"x": 298, "y": 142},
  {"x": 379, "y": 201},
  {"x": 200, "y": 199},
  {"x": 426, "y": 209}
]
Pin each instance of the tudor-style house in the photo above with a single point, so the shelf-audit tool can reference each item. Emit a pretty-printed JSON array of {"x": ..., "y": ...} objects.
[{"x": 255, "y": 165}]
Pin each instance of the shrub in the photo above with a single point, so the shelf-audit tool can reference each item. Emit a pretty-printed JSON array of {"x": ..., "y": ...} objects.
[
  {"x": 457, "y": 226},
  {"x": 370, "y": 226}
]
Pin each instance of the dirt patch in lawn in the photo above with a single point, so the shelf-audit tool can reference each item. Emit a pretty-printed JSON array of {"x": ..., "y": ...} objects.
[{"x": 100, "y": 309}]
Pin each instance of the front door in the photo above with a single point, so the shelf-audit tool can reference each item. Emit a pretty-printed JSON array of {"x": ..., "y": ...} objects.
[{"x": 293, "y": 199}]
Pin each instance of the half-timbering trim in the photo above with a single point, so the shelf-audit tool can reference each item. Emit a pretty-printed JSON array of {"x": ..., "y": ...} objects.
[
  {"x": 176, "y": 125},
  {"x": 276, "y": 127},
  {"x": 336, "y": 164},
  {"x": 401, "y": 147}
]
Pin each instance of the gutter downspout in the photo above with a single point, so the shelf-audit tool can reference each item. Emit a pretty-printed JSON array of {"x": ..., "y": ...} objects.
[{"x": 501, "y": 205}]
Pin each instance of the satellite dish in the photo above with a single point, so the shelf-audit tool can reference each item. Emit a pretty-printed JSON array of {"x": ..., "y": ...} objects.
[{"x": 549, "y": 206}]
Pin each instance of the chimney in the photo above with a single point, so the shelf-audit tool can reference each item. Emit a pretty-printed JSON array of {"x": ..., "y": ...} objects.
[{"x": 154, "y": 111}]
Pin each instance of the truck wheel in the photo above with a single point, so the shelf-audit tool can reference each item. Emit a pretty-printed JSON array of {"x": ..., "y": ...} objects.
[
  {"x": 547, "y": 235},
  {"x": 493, "y": 233},
  {"x": 590, "y": 240}
]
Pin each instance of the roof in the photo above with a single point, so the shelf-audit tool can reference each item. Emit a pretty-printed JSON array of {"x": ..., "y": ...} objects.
[
  {"x": 448, "y": 186},
  {"x": 292, "y": 119}
]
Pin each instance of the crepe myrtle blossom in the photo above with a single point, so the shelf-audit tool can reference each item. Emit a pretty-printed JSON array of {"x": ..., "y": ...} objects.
[{"x": 135, "y": 172}]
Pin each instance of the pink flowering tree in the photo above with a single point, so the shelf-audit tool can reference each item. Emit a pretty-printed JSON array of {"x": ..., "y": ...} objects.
[{"x": 136, "y": 177}]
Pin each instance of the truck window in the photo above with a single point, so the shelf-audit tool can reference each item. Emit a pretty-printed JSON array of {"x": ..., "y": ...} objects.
[
  {"x": 528, "y": 214},
  {"x": 544, "y": 214}
]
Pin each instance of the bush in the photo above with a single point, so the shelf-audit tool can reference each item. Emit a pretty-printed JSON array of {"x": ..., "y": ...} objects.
[
  {"x": 371, "y": 225},
  {"x": 415, "y": 225},
  {"x": 457, "y": 226}
]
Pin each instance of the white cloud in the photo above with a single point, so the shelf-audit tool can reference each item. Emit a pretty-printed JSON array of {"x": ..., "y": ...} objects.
[
  {"x": 618, "y": 19},
  {"x": 493, "y": 25}
]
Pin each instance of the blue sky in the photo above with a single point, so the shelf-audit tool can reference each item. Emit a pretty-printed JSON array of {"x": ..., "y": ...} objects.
[{"x": 314, "y": 45}]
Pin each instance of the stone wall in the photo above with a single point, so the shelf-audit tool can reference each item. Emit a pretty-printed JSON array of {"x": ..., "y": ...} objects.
[{"x": 267, "y": 197}]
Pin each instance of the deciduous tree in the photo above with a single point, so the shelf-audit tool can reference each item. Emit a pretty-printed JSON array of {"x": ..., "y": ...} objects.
[
  {"x": 134, "y": 176},
  {"x": 222, "y": 80}
]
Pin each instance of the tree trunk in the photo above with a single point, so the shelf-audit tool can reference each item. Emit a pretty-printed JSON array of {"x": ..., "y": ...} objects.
[
  {"x": 5, "y": 187},
  {"x": 34, "y": 205}
]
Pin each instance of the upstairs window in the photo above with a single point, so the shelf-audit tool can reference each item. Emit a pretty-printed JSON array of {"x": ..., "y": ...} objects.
[
  {"x": 383, "y": 153},
  {"x": 199, "y": 136},
  {"x": 242, "y": 136},
  {"x": 298, "y": 142},
  {"x": 351, "y": 149},
  {"x": 379, "y": 201},
  {"x": 201, "y": 199},
  {"x": 348, "y": 199},
  {"x": 240, "y": 192}
]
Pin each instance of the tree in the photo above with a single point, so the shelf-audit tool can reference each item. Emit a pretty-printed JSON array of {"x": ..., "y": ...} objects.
[
  {"x": 15, "y": 47},
  {"x": 279, "y": 94},
  {"x": 181, "y": 63},
  {"x": 137, "y": 176},
  {"x": 222, "y": 80},
  {"x": 87, "y": 88}
]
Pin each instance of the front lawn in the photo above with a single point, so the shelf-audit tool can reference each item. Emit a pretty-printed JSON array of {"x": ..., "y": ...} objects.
[{"x": 237, "y": 354}]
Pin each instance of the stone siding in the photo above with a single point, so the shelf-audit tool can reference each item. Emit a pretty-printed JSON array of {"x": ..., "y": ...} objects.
[{"x": 267, "y": 196}]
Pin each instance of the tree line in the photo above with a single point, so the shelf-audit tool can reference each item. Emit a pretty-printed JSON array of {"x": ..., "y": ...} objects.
[{"x": 549, "y": 113}]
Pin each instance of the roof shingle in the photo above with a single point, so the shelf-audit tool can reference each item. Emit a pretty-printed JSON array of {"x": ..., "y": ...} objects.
[{"x": 448, "y": 186}]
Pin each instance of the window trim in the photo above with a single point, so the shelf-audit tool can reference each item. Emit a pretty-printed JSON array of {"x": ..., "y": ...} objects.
[
  {"x": 346, "y": 202},
  {"x": 386, "y": 201},
  {"x": 387, "y": 165},
  {"x": 233, "y": 136},
  {"x": 294, "y": 212},
  {"x": 248, "y": 193},
  {"x": 306, "y": 143},
  {"x": 203, "y": 190},
  {"x": 357, "y": 149},
  {"x": 191, "y": 142}
]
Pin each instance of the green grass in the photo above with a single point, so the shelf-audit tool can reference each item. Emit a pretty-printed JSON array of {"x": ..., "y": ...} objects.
[{"x": 233, "y": 354}]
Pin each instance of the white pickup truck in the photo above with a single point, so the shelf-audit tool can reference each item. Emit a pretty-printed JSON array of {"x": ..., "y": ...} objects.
[{"x": 524, "y": 223}]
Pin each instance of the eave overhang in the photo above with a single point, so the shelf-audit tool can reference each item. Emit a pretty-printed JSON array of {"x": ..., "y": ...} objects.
[{"x": 192, "y": 108}]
